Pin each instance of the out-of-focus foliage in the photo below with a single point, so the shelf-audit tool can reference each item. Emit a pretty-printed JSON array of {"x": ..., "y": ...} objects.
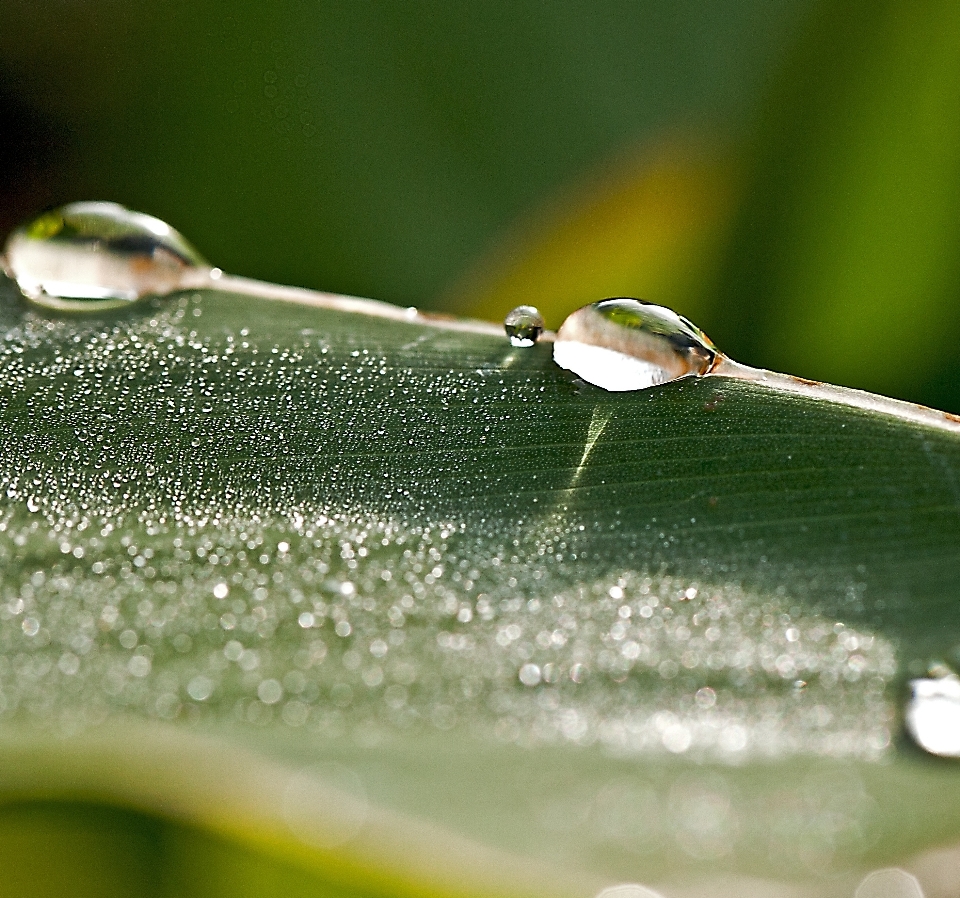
[
  {"x": 845, "y": 264},
  {"x": 655, "y": 224},
  {"x": 371, "y": 148}
]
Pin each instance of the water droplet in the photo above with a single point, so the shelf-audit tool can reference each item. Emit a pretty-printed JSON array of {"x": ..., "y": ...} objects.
[
  {"x": 631, "y": 890},
  {"x": 626, "y": 344},
  {"x": 200, "y": 688},
  {"x": 705, "y": 697},
  {"x": 890, "y": 883},
  {"x": 933, "y": 715},
  {"x": 530, "y": 675},
  {"x": 270, "y": 692},
  {"x": 523, "y": 325},
  {"x": 96, "y": 255}
]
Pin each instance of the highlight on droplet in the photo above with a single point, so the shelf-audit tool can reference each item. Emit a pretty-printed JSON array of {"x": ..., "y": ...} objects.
[
  {"x": 627, "y": 344},
  {"x": 890, "y": 883},
  {"x": 98, "y": 254},
  {"x": 933, "y": 715}
]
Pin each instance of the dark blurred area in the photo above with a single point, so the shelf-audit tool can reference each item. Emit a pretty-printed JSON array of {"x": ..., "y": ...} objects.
[{"x": 29, "y": 154}]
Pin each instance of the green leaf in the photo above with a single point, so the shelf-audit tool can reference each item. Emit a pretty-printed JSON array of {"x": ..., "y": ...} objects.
[{"x": 388, "y": 601}]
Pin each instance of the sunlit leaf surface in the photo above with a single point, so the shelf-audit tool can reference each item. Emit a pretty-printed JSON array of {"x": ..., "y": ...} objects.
[{"x": 423, "y": 613}]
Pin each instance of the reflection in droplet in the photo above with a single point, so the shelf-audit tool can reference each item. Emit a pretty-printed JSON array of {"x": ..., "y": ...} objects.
[
  {"x": 631, "y": 890},
  {"x": 627, "y": 344},
  {"x": 933, "y": 715},
  {"x": 890, "y": 883},
  {"x": 95, "y": 254},
  {"x": 524, "y": 325}
]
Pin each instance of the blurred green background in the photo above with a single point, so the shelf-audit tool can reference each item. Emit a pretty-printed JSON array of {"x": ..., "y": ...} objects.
[{"x": 785, "y": 172}]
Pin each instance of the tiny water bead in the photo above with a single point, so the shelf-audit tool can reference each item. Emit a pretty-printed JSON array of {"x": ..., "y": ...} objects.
[
  {"x": 627, "y": 344},
  {"x": 97, "y": 254},
  {"x": 890, "y": 883},
  {"x": 524, "y": 325}
]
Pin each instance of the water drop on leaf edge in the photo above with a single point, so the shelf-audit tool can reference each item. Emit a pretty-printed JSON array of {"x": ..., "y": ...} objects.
[
  {"x": 624, "y": 344},
  {"x": 96, "y": 255}
]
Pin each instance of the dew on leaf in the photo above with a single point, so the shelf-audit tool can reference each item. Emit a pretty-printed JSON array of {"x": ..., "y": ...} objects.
[
  {"x": 624, "y": 345},
  {"x": 97, "y": 254},
  {"x": 627, "y": 344},
  {"x": 529, "y": 675},
  {"x": 236, "y": 565},
  {"x": 523, "y": 325}
]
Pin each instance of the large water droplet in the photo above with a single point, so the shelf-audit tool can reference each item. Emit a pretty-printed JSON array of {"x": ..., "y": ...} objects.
[
  {"x": 92, "y": 255},
  {"x": 627, "y": 344},
  {"x": 933, "y": 715},
  {"x": 524, "y": 325}
]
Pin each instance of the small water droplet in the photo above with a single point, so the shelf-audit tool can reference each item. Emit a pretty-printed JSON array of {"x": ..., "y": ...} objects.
[
  {"x": 200, "y": 688},
  {"x": 96, "y": 255},
  {"x": 530, "y": 675},
  {"x": 524, "y": 325},
  {"x": 705, "y": 697},
  {"x": 632, "y": 890},
  {"x": 933, "y": 715},
  {"x": 270, "y": 691},
  {"x": 626, "y": 344},
  {"x": 890, "y": 883}
]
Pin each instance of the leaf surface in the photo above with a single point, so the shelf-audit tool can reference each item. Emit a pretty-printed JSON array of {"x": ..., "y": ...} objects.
[{"x": 348, "y": 588}]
